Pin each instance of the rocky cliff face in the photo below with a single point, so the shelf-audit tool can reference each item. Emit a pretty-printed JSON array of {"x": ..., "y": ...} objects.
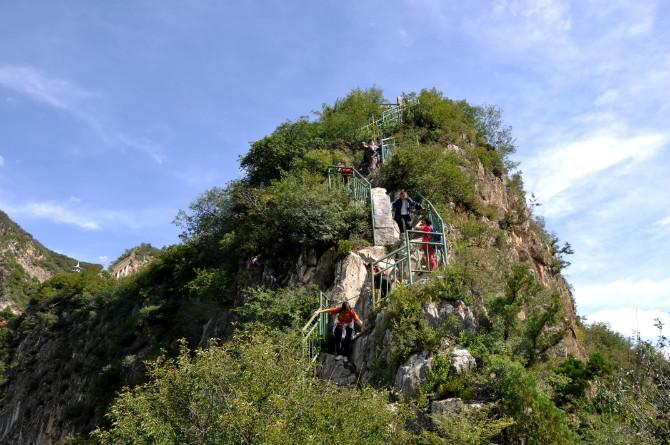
[
  {"x": 24, "y": 262},
  {"x": 130, "y": 265},
  {"x": 525, "y": 244}
]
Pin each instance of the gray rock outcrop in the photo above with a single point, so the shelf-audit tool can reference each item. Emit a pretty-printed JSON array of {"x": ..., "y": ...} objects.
[
  {"x": 386, "y": 229},
  {"x": 437, "y": 315},
  {"x": 340, "y": 372},
  {"x": 409, "y": 377},
  {"x": 461, "y": 361},
  {"x": 453, "y": 407}
]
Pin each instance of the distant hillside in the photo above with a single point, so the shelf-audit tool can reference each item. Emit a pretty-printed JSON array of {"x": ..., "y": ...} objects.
[
  {"x": 133, "y": 259},
  {"x": 24, "y": 263}
]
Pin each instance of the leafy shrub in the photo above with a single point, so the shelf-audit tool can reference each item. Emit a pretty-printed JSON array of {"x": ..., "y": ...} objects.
[
  {"x": 575, "y": 383},
  {"x": 536, "y": 419},
  {"x": 342, "y": 121},
  {"x": 269, "y": 158},
  {"x": 432, "y": 171},
  {"x": 255, "y": 389},
  {"x": 215, "y": 285},
  {"x": 279, "y": 309},
  {"x": 471, "y": 427},
  {"x": 540, "y": 328},
  {"x": 450, "y": 285},
  {"x": 411, "y": 331}
]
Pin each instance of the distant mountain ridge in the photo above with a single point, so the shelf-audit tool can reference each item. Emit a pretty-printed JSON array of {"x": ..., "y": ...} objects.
[{"x": 24, "y": 263}]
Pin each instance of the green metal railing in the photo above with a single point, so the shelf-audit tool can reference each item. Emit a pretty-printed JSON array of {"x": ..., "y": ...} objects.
[
  {"x": 390, "y": 118},
  {"x": 404, "y": 264},
  {"x": 393, "y": 269},
  {"x": 389, "y": 145},
  {"x": 358, "y": 187},
  {"x": 437, "y": 222},
  {"x": 315, "y": 330}
]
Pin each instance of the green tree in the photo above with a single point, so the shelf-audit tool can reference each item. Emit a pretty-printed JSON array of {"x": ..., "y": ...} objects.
[{"x": 255, "y": 389}]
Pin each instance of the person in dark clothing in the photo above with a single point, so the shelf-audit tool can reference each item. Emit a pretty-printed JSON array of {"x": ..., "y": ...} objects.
[{"x": 402, "y": 208}]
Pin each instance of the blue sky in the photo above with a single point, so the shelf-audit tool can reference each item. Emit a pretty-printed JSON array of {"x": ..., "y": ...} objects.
[{"x": 114, "y": 115}]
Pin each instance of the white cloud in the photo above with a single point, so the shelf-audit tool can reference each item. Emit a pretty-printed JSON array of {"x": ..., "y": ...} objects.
[
  {"x": 56, "y": 93},
  {"x": 665, "y": 222},
  {"x": 553, "y": 171},
  {"x": 66, "y": 96},
  {"x": 628, "y": 320},
  {"x": 73, "y": 213},
  {"x": 58, "y": 214},
  {"x": 2, "y": 161},
  {"x": 645, "y": 294}
]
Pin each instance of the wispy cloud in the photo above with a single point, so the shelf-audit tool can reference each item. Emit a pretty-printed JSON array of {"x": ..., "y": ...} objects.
[
  {"x": 56, "y": 93},
  {"x": 69, "y": 97},
  {"x": 77, "y": 214},
  {"x": 58, "y": 214},
  {"x": 555, "y": 170},
  {"x": 646, "y": 294},
  {"x": 2, "y": 161}
]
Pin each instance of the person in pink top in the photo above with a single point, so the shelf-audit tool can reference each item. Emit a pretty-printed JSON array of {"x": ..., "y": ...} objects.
[{"x": 428, "y": 249}]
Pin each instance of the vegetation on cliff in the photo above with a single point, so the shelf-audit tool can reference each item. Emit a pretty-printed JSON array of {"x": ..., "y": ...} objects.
[{"x": 231, "y": 279}]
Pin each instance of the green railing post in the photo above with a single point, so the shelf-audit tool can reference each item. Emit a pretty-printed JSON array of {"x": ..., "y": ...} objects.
[{"x": 409, "y": 257}]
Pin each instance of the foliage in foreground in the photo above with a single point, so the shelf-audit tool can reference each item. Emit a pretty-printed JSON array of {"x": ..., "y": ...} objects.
[{"x": 253, "y": 389}]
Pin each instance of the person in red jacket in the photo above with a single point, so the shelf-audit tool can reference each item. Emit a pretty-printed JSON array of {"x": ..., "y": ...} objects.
[
  {"x": 343, "y": 330},
  {"x": 428, "y": 249}
]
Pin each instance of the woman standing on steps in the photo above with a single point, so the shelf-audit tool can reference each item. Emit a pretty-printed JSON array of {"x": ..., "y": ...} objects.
[
  {"x": 343, "y": 330},
  {"x": 428, "y": 249},
  {"x": 402, "y": 208}
]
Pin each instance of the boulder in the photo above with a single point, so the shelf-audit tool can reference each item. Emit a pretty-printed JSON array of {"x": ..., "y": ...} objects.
[
  {"x": 340, "y": 372},
  {"x": 436, "y": 315},
  {"x": 372, "y": 347},
  {"x": 409, "y": 377},
  {"x": 386, "y": 229},
  {"x": 351, "y": 281},
  {"x": 453, "y": 407},
  {"x": 461, "y": 361}
]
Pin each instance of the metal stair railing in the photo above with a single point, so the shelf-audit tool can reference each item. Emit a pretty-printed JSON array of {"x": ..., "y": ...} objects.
[
  {"x": 438, "y": 225},
  {"x": 389, "y": 145},
  {"x": 315, "y": 330},
  {"x": 358, "y": 187},
  {"x": 403, "y": 264},
  {"x": 393, "y": 269}
]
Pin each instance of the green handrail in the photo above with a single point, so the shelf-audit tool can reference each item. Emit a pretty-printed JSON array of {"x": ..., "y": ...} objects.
[
  {"x": 315, "y": 331},
  {"x": 389, "y": 145},
  {"x": 392, "y": 268},
  {"x": 358, "y": 187},
  {"x": 397, "y": 267},
  {"x": 438, "y": 224}
]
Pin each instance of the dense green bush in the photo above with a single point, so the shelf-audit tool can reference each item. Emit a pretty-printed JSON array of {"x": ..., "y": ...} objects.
[
  {"x": 274, "y": 155},
  {"x": 536, "y": 419},
  {"x": 342, "y": 121},
  {"x": 433, "y": 172},
  {"x": 254, "y": 389},
  {"x": 411, "y": 331},
  {"x": 540, "y": 327},
  {"x": 280, "y": 309}
]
